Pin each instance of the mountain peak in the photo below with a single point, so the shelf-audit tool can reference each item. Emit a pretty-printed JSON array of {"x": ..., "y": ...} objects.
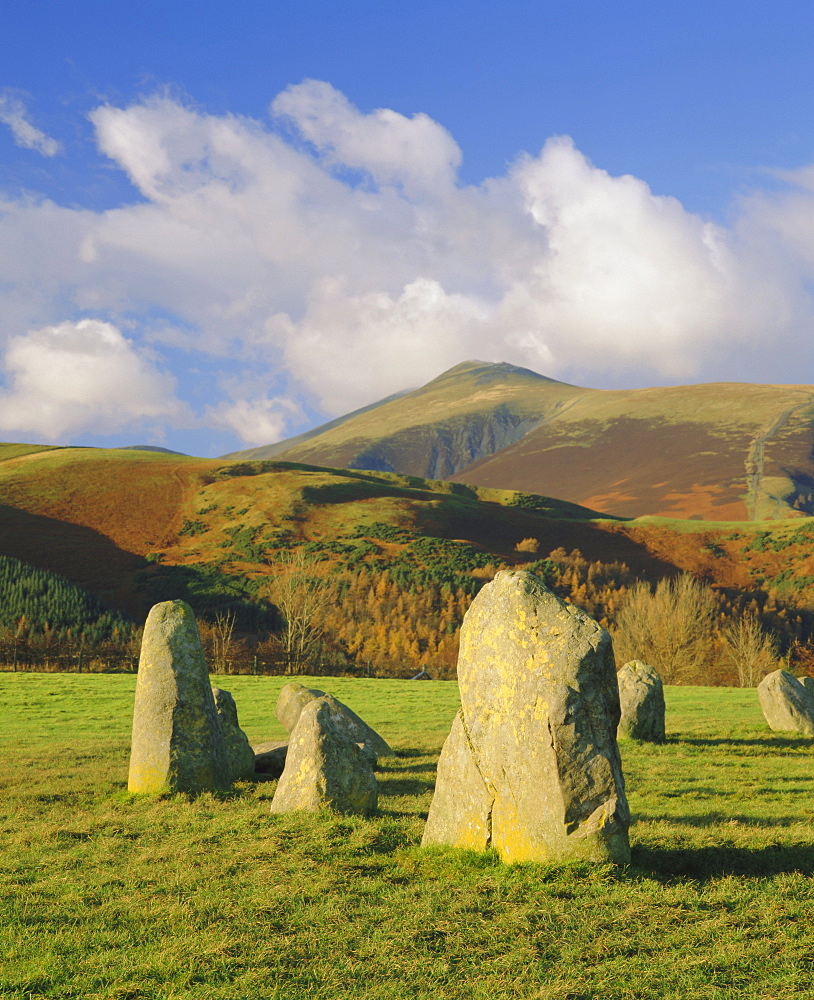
[{"x": 490, "y": 371}]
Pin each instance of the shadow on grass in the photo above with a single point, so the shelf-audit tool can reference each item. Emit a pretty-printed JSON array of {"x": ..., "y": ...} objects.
[
  {"x": 769, "y": 742},
  {"x": 389, "y": 787},
  {"x": 701, "y": 863},
  {"x": 725, "y": 819}
]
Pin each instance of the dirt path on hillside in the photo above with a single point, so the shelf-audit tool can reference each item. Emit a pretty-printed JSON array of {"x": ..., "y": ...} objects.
[{"x": 756, "y": 458}]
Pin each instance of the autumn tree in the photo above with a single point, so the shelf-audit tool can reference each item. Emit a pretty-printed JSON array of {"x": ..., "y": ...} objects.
[
  {"x": 671, "y": 627},
  {"x": 296, "y": 590},
  {"x": 752, "y": 650}
]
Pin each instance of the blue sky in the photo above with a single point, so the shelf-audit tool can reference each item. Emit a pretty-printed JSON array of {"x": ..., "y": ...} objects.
[{"x": 221, "y": 224}]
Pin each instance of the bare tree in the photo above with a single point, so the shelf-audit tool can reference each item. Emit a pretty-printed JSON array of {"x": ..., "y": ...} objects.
[
  {"x": 295, "y": 589},
  {"x": 752, "y": 649},
  {"x": 670, "y": 628}
]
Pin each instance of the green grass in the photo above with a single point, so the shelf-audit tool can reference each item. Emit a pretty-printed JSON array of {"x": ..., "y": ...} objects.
[{"x": 107, "y": 895}]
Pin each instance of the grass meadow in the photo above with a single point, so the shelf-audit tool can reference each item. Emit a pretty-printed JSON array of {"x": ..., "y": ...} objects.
[{"x": 108, "y": 895}]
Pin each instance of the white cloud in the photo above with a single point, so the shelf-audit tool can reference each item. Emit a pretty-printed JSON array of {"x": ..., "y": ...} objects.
[
  {"x": 416, "y": 152},
  {"x": 354, "y": 264},
  {"x": 84, "y": 376},
  {"x": 256, "y": 421},
  {"x": 13, "y": 114}
]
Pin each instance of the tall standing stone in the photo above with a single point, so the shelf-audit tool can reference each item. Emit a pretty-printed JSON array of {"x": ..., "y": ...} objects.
[
  {"x": 531, "y": 766},
  {"x": 641, "y": 698},
  {"x": 238, "y": 749},
  {"x": 787, "y": 704},
  {"x": 177, "y": 741},
  {"x": 323, "y": 768}
]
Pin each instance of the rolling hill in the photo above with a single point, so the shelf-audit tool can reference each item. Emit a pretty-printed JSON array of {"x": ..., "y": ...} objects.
[
  {"x": 715, "y": 452},
  {"x": 134, "y": 527}
]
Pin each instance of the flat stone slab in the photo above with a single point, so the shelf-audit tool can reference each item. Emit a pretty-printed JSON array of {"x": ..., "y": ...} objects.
[{"x": 269, "y": 757}]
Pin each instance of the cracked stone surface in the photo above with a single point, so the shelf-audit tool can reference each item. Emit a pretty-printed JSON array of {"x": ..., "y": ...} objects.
[{"x": 531, "y": 766}]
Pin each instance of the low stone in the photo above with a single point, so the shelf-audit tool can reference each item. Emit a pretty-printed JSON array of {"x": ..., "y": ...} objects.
[
  {"x": 641, "y": 698},
  {"x": 324, "y": 769},
  {"x": 177, "y": 743},
  {"x": 531, "y": 766},
  {"x": 787, "y": 705},
  {"x": 294, "y": 697},
  {"x": 269, "y": 757},
  {"x": 238, "y": 750}
]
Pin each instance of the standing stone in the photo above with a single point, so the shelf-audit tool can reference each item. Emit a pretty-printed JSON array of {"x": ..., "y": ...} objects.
[
  {"x": 787, "y": 705},
  {"x": 808, "y": 684},
  {"x": 238, "y": 750},
  {"x": 531, "y": 766},
  {"x": 323, "y": 768},
  {"x": 294, "y": 697},
  {"x": 641, "y": 698},
  {"x": 177, "y": 741}
]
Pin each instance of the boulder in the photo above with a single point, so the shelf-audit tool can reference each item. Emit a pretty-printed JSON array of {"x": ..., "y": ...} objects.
[
  {"x": 269, "y": 757},
  {"x": 531, "y": 766},
  {"x": 294, "y": 697},
  {"x": 178, "y": 743},
  {"x": 238, "y": 750},
  {"x": 641, "y": 698},
  {"x": 808, "y": 684},
  {"x": 787, "y": 705},
  {"x": 323, "y": 768}
]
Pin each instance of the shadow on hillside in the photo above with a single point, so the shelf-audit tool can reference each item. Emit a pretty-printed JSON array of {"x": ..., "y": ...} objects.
[
  {"x": 702, "y": 863},
  {"x": 770, "y": 742},
  {"x": 82, "y": 555}
]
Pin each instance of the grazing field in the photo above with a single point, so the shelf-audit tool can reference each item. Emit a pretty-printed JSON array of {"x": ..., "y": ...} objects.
[{"x": 107, "y": 895}]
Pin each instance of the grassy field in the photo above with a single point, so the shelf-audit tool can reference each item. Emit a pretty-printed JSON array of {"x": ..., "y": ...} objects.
[{"x": 107, "y": 895}]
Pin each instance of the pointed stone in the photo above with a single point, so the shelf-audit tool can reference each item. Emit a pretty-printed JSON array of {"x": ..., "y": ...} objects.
[
  {"x": 323, "y": 768},
  {"x": 531, "y": 766},
  {"x": 177, "y": 742},
  {"x": 238, "y": 750},
  {"x": 294, "y": 697},
  {"x": 641, "y": 698}
]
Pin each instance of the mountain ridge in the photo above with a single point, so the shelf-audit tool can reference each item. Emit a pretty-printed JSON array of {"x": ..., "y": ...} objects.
[{"x": 712, "y": 451}]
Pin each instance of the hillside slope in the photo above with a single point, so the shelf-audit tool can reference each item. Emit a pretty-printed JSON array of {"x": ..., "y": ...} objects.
[
  {"x": 727, "y": 451},
  {"x": 137, "y": 527}
]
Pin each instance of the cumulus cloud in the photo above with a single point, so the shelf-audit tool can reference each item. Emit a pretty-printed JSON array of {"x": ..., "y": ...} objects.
[
  {"x": 83, "y": 376},
  {"x": 257, "y": 421},
  {"x": 415, "y": 152},
  {"x": 13, "y": 114},
  {"x": 341, "y": 257}
]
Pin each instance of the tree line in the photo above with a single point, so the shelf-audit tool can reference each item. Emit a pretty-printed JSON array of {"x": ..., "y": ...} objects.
[{"x": 375, "y": 618}]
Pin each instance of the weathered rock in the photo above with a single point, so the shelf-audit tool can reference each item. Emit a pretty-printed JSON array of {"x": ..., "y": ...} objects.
[
  {"x": 808, "y": 684},
  {"x": 787, "y": 705},
  {"x": 323, "y": 768},
  {"x": 269, "y": 757},
  {"x": 177, "y": 743},
  {"x": 531, "y": 766},
  {"x": 294, "y": 697},
  {"x": 238, "y": 750},
  {"x": 641, "y": 698}
]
